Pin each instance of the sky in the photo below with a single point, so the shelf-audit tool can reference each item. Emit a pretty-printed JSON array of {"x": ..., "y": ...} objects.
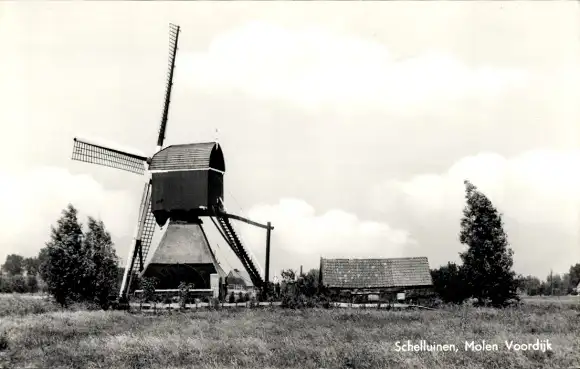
[{"x": 349, "y": 125}]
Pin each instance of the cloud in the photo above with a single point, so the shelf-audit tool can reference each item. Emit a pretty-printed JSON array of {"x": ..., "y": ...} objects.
[
  {"x": 32, "y": 200},
  {"x": 537, "y": 191},
  {"x": 312, "y": 66},
  {"x": 304, "y": 236}
]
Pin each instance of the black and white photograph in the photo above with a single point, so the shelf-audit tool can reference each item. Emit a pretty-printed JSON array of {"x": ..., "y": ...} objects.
[{"x": 290, "y": 184}]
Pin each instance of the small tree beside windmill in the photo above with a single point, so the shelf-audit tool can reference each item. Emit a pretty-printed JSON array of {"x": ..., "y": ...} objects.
[{"x": 183, "y": 184}]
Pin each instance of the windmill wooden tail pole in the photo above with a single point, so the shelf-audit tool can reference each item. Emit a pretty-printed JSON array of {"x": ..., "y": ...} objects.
[{"x": 183, "y": 184}]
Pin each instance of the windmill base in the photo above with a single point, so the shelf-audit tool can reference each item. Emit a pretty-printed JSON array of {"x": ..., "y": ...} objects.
[
  {"x": 184, "y": 255},
  {"x": 169, "y": 276}
]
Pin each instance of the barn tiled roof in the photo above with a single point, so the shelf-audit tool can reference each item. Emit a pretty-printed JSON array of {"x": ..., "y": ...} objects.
[
  {"x": 186, "y": 156},
  {"x": 376, "y": 273}
]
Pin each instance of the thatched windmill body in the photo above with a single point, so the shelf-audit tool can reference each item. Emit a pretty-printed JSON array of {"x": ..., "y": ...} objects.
[{"x": 183, "y": 184}]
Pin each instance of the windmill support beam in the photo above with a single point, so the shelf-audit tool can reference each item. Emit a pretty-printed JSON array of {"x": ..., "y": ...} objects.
[
  {"x": 141, "y": 261},
  {"x": 221, "y": 232},
  {"x": 129, "y": 265},
  {"x": 251, "y": 222},
  {"x": 130, "y": 270},
  {"x": 267, "y": 271}
]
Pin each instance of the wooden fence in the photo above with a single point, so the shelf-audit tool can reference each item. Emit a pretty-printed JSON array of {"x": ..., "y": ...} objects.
[{"x": 226, "y": 305}]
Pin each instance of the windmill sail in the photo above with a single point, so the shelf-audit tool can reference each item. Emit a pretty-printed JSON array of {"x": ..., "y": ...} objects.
[
  {"x": 145, "y": 230},
  {"x": 173, "y": 38},
  {"x": 106, "y": 154},
  {"x": 142, "y": 240},
  {"x": 146, "y": 223},
  {"x": 90, "y": 151},
  {"x": 146, "y": 238}
]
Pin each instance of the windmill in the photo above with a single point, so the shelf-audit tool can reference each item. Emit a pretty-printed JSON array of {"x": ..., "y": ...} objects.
[{"x": 183, "y": 184}]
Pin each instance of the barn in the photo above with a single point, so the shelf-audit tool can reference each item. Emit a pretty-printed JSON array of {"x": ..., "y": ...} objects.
[{"x": 376, "y": 279}]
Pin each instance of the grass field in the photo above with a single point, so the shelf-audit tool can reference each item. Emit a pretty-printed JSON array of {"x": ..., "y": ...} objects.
[{"x": 43, "y": 336}]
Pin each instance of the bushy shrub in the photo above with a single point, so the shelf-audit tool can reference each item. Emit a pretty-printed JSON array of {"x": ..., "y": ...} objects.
[
  {"x": 213, "y": 303},
  {"x": 232, "y": 298},
  {"x": 253, "y": 301},
  {"x": 305, "y": 292},
  {"x": 19, "y": 284},
  {"x": 184, "y": 294},
  {"x": 148, "y": 286},
  {"x": 301, "y": 301},
  {"x": 32, "y": 283},
  {"x": 450, "y": 284}
]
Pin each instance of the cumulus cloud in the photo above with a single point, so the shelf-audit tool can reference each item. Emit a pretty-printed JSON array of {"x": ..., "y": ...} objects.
[
  {"x": 537, "y": 191},
  {"x": 303, "y": 235},
  {"x": 312, "y": 66},
  {"x": 31, "y": 200}
]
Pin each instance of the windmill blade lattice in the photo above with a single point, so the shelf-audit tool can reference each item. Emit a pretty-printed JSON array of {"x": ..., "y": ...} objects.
[
  {"x": 95, "y": 154},
  {"x": 173, "y": 39},
  {"x": 146, "y": 237},
  {"x": 148, "y": 227}
]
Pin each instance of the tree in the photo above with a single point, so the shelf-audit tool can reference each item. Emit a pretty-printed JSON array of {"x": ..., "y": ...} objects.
[
  {"x": 307, "y": 284},
  {"x": 288, "y": 275},
  {"x": 531, "y": 285},
  {"x": 100, "y": 277},
  {"x": 556, "y": 284},
  {"x": 488, "y": 260},
  {"x": 31, "y": 283},
  {"x": 574, "y": 277},
  {"x": 65, "y": 266},
  {"x": 565, "y": 287},
  {"x": 31, "y": 265},
  {"x": 13, "y": 264},
  {"x": 19, "y": 284},
  {"x": 449, "y": 283},
  {"x": 43, "y": 263},
  {"x": 545, "y": 288}
]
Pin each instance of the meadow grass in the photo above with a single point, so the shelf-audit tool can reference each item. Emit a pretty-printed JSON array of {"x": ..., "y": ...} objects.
[
  {"x": 279, "y": 338},
  {"x": 12, "y": 304}
]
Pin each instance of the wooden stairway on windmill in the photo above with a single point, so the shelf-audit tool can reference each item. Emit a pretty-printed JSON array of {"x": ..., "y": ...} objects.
[{"x": 187, "y": 184}]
